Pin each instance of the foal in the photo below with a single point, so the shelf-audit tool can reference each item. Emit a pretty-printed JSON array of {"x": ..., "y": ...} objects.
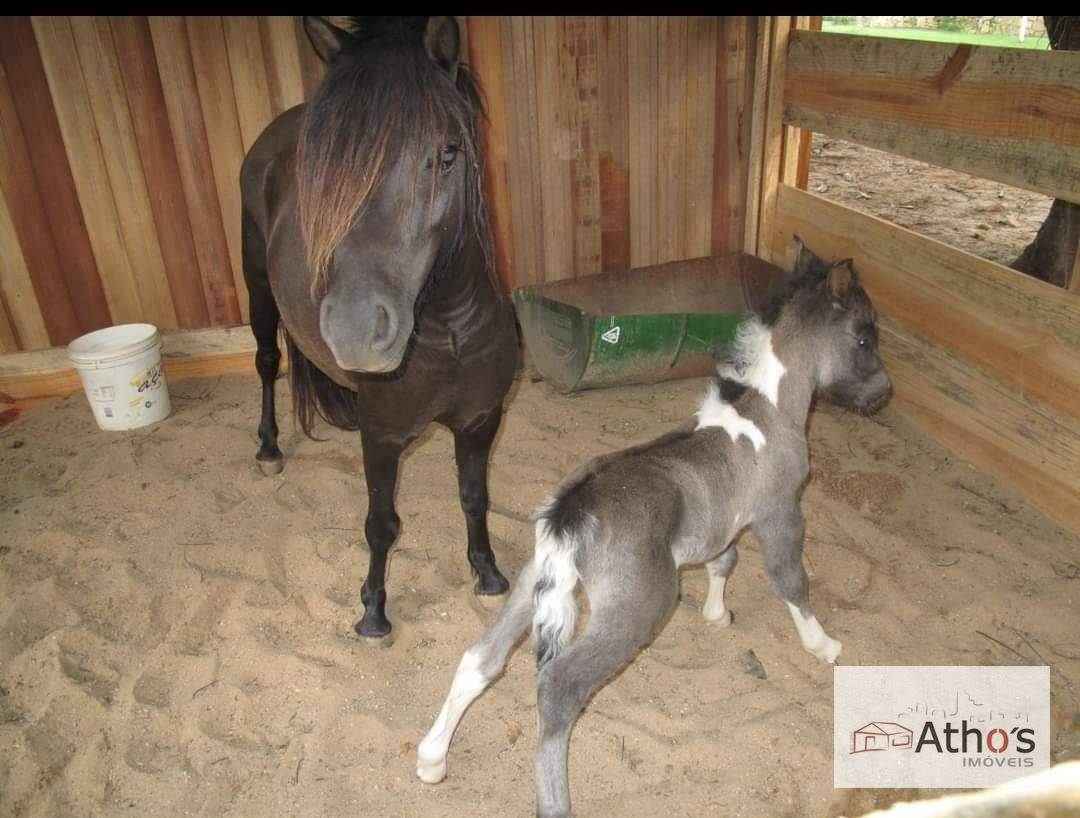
[{"x": 624, "y": 523}]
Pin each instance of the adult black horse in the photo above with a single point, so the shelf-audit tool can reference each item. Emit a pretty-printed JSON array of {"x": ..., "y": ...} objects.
[{"x": 364, "y": 231}]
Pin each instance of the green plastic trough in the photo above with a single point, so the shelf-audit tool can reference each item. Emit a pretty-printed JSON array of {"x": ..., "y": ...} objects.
[{"x": 643, "y": 325}]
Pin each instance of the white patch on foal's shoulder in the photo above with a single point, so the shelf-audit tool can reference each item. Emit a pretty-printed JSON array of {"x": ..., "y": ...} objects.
[
  {"x": 753, "y": 361},
  {"x": 715, "y": 411}
]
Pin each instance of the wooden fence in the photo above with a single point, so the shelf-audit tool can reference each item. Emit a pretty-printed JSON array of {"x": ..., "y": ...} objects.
[{"x": 983, "y": 357}]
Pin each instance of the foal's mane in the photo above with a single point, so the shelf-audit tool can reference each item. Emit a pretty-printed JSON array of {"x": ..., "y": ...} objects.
[{"x": 381, "y": 98}]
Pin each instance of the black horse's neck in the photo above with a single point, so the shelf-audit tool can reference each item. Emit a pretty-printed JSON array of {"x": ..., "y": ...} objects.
[{"x": 464, "y": 306}]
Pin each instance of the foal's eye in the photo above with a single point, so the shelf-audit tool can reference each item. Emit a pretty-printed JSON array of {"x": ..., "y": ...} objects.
[{"x": 447, "y": 157}]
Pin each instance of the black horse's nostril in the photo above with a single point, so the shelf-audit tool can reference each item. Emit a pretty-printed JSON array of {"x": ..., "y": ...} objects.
[{"x": 385, "y": 329}]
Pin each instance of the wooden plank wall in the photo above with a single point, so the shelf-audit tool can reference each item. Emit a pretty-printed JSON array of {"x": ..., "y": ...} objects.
[
  {"x": 612, "y": 141},
  {"x": 121, "y": 140},
  {"x": 984, "y": 358},
  {"x": 623, "y": 141}
]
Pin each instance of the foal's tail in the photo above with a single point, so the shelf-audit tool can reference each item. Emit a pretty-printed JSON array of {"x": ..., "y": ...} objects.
[
  {"x": 315, "y": 394},
  {"x": 564, "y": 530}
]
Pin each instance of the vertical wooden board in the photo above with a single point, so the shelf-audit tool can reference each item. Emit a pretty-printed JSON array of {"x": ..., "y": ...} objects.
[
  {"x": 643, "y": 50},
  {"x": 559, "y": 143},
  {"x": 213, "y": 77},
  {"x": 732, "y": 108},
  {"x": 579, "y": 80},
  {"x": 776, "y": 140},
  {"x": 282, "y": 55},
  {"x": 68, "y": 272},
  {"x": 671, "y": 140},
  {"x": 119, "y": 152},
  {"x": 179, "y": 87},
  {"x": 1074, "y": 275},
  {"x": 71, "y": 100},
  {"x": 311, "y": 67},
  {"x": 27, "y": 324},
  {"x": 701, "y": 52},
  {"x": 30, "y": 240},
  {"x": 251, "y": 85},
  {"x": 613, "y": 144},
  {"x": 486, "y": 63},
  {"x": 758, "y": 110},
  {"x": 524, "y": 149},
  {"x": 154, "y": 142}
]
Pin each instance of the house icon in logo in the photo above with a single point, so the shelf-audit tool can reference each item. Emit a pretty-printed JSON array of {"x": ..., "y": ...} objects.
[{"x": 880, "y": 735}]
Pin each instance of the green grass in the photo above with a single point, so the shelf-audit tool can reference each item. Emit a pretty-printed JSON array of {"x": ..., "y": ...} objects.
[{"x": 1039, "y": 43}]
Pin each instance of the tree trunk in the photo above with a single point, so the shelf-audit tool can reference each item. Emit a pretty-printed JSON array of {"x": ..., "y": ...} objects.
[{"x": 1052, "y": 255}]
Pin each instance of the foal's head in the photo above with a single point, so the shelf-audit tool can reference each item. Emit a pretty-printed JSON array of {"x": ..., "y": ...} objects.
[
  {"x": 827, "y": 308},
  {"x": 388, "y": 172}
]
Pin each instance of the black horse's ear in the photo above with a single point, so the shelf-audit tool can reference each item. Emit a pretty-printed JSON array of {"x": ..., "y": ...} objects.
[
  {"x": 841, "y": 275},
  {"x": 326, "y": 38},
  {"x": 442, "y": 41}
]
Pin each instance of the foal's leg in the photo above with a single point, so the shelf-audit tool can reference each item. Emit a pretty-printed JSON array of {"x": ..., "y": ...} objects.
[
  {"x": 381, "y": 527},
  {"x": 471, "y": 449},
  {"x": 719, "y": 570},
  {"x": 264, "y": 326},
  {"x": 479, "y": 666},
  {"x": 781, "y": 535},
  {"x": 622, "y": 618}
]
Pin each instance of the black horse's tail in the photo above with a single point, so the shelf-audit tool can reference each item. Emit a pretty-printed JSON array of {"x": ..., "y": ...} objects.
[{"x": 315, "y": 394}]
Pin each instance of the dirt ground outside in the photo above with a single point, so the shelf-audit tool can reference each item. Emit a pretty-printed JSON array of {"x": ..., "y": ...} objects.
[
  {"x": 176, "y": 629},
  {"x": 983, "y": 217}
]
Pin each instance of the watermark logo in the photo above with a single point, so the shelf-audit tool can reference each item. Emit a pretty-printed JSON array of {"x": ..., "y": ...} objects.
[{"x": 939, "y": 726}]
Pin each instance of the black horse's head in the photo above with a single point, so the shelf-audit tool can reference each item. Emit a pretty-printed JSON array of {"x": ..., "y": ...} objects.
[{"x": 388, "y": 172}]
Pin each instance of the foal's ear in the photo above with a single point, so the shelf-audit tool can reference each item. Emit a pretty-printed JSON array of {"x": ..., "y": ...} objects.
[
  {"x": 326, "y": 38},
  {"x": 442, "y": 41},
  {"x": 839, "y": 280},
  {"x": 805, "y": 258}
]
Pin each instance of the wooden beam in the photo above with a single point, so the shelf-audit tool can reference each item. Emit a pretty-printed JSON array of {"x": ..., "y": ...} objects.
[
  {"x": 1012, "y": 115},
  {"x": 1031, "y": 448},
  {"x": 1024, "y": 331},
  {"x": 776, "y": 139},
  {"x": 28, "y": 378}
]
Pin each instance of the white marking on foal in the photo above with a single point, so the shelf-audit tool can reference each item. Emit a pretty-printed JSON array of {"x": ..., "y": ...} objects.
[
  {"x": 468, "y": 683},
  {"x": 716, "y": 412},
  {"x": 714, "y": 610},
  {"x": 813, "y": 636},
  {"x": 753, "y": 361}
]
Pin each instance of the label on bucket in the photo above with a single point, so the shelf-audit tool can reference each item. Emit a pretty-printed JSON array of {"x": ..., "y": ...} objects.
[{"x": 149, "y": 380}]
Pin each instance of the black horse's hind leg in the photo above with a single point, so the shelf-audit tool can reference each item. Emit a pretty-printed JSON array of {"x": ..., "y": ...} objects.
[
  {"x": 471, "y": 448},
  {"x": 264, "y": 326},
  {"x": 381, "y": 528}
]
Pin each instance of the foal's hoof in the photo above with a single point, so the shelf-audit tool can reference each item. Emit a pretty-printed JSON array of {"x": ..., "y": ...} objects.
[
  {"x": 271, "y": 467},
  {"x": 431, "y": 772},
  {"x": 493, "y": 584},
  {"x": 373, "y": 624}
]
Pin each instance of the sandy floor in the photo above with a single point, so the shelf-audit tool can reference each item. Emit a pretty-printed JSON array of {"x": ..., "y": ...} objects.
[
  {"x": 984, "y": 217},
  {"x": 175, "y": 628}
]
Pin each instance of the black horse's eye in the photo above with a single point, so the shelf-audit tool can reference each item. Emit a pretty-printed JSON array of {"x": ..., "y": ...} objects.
[{"x": 447, "y": 157}]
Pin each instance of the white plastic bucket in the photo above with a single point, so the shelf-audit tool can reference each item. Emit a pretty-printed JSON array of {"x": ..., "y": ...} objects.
[{"x": 122, "y": 375}]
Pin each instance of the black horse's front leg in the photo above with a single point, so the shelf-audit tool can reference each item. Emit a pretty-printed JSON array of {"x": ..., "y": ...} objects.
[
  {"x": 381, "y": 528},
  {"x": 471, "y": 448}
]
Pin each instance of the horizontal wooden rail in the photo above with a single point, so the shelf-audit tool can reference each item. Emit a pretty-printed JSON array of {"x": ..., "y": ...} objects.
[
  {"x": 1012, "y": 115},
  {"x": 28, "y": 378},
  {"x": 1033, "y": 450},
  {"x": 1025, "y": 331}
]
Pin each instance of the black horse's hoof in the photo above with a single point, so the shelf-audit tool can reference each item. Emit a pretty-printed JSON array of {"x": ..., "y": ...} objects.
[
  {"x": 271, "y": 467},
  {"x": 491, "y": 584},
  {"x": 373, "y": 625}
]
